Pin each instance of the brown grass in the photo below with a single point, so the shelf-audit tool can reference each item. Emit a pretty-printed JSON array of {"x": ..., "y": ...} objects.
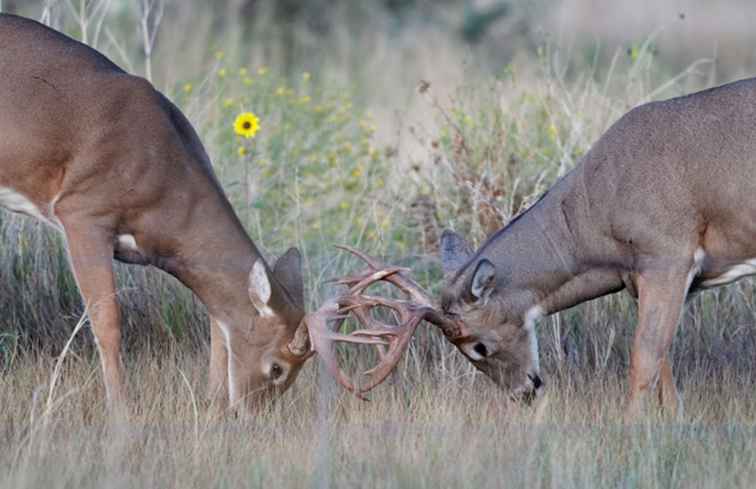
[{"x": 426, "y": 429}]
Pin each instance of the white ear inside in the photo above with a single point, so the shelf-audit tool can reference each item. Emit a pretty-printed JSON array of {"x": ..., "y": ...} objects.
[
  {"x": 259, "y": 289},
  {"x": 484, "y": 281}
]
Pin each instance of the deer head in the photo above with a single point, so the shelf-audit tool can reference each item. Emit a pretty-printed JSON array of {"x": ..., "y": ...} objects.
[
  {"x": 261, "y": 365},
  {"x": 496, "y": 314}
]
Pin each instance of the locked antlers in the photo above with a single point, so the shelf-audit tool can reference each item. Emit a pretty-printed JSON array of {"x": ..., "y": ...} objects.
[{"x": 323, "y": 325}]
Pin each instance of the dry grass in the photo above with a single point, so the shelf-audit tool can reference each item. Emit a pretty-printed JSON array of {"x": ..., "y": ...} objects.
[{"x": 428, "y": 430}]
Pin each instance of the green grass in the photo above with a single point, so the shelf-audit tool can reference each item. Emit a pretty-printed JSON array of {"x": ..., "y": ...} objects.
[{"x": 354, "y": 154}]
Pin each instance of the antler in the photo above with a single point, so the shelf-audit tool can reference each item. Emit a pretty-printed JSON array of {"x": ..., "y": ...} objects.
[{"x": 392, "y": 340}]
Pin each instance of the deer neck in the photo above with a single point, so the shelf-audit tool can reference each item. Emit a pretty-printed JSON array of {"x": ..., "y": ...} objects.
[
  {"x": 547, "y": 252},
  {"x": 213, "y": 257}
]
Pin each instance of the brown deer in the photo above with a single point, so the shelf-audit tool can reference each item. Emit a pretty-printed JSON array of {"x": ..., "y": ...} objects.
[
  {"x": 106, "y": 159},
  {"x": 662, "y": 205}
]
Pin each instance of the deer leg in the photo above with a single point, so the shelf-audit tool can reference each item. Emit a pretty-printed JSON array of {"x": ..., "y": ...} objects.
[
  {"x": 669, "y": 398},
  {"x": 91, "y": 254},
  {"x": 218, "y": 376},
  {"x": 662, "y": 295}
]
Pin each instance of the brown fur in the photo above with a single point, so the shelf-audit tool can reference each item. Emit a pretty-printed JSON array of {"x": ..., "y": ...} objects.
[{"x": 100, "y": 153}]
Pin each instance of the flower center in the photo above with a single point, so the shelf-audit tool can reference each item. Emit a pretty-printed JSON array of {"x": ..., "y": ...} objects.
[{"x": 247, "y": 125}]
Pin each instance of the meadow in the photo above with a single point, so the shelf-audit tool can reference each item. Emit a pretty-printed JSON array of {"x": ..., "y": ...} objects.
[{"x": 380, "y": 152}]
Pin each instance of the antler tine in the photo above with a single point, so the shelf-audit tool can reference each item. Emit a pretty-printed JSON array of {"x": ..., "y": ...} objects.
[
  {"x": 391, "y": 358},
  {"x": 405, "y": 284},
  {"x": 358, "y": 284},
  {"x": 321, "y": 338},
  {"x": 372, "y": 262},
  {"x": 391, "y": 340}
]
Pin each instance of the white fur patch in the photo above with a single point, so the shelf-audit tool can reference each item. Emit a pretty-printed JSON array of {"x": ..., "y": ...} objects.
[
  {"x": 127, "y": 241},
  {"x": 16, "y": 202},
  {"x": 534, "y": 350},
  {"x": 233, "y": 394},
  {"x": 732, "y": 274},
  {"x": 531, "y": 316},
  {"x": 266, "y": 312},
  {"x": 259, "y": 289},
  {"x": 469, "y": 350}
]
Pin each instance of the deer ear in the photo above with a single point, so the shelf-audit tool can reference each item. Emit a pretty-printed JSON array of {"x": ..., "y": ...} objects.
[
  {"x": 454, "y": 251},
  {"x": 483, "y": 280},
  {"x": 288, "y": 271},
  {"x": 259, "y": 288}
]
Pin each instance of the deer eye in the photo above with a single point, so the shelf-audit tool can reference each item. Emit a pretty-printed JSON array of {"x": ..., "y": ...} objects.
[
  {"x": 275, "y": 371},
  {"x": 449, "y": 313},
  {"x": 481, "y": 349}
]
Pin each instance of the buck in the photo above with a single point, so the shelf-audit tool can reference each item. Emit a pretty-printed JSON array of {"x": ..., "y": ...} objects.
[
  {"x": 106, "y": 159},
  {"x": 662, "y": 206}
]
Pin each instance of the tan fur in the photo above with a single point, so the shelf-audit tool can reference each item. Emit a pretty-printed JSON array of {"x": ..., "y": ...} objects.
[{"x": 115, "y": 163}]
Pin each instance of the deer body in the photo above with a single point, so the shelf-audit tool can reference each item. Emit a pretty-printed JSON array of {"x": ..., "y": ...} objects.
[
  {"x": 105, "y": 158},
  {"x": 662, "y": 205}
]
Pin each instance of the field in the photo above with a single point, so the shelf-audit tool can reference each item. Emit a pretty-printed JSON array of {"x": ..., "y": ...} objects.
[{"x": 382, "y": 152}]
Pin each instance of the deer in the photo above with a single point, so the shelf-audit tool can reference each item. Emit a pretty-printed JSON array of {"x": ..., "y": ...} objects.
[
  {"x": 662, "y": 206},
  {"x": 104, "y": 158}
]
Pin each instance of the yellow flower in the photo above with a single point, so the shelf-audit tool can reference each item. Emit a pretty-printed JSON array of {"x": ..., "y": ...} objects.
[
  {"x": 222, "y": 73},
  {"x": 227, "y": 103},
  {"x": 246, "y": 125},
  {"x": 553, "y": 132},
  {"x": 188, "y": 88},
  {"x": 242, "y": 151}
]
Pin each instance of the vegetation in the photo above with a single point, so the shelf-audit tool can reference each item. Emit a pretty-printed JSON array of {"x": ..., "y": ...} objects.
[{"x": 368, "y": 139}]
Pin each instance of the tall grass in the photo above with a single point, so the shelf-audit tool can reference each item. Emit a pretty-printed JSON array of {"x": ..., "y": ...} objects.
[{"x": 353, "y": 151}]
